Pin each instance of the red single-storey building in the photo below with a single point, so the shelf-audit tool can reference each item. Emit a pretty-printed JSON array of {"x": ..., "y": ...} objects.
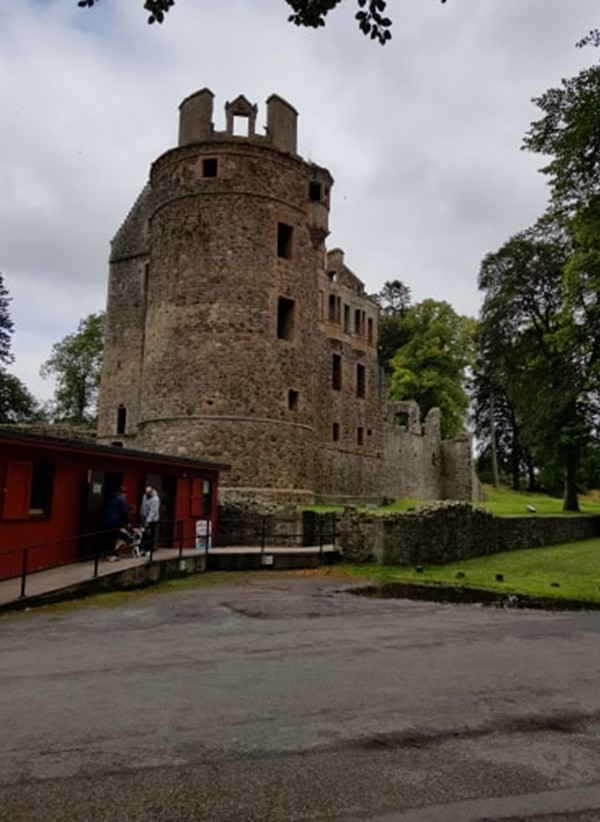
[{"x": 53, "y": 491}]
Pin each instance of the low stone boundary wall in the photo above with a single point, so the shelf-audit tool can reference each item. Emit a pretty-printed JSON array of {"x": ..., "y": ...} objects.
[{"x": 445, "y": 532}]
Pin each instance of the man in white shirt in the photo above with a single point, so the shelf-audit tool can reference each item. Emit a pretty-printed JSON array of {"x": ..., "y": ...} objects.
[{"x": 149, "y": 514}]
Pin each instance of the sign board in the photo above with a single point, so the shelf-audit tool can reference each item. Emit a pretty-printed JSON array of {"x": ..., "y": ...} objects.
[{"x": 203, "y": 534}]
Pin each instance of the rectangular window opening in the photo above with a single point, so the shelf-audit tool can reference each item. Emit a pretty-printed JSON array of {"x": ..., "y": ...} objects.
[
  {"x": 315, "y": 192},
  {"x": 209, "y": 167},
  {"x": 335, "y": 431},
  {"x": 284, "y": 240},
  {"x": 336, "y": 375},
  {"x": 285, "y": 318},
  {"x": 331, "y": 313},
  {"x": 121, "y": 419},
  {"x": 292, "y": 400},
  {"x": 346, "y": 319},
  {"x": 360, "y": 380},
  {"x": 370, "y": 330},
  {"x": 360, "y": 436},
  {"x": 42, "y": 481},
  {"x": 357, "y": 320}
]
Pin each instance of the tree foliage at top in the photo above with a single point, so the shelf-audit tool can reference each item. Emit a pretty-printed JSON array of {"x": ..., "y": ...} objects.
[
  {"x": 371, "y": 14},
  {"x": 6, "y": 325},
  {"x": 16, "y": 402},
  {"x": 569, "y": 132},
  {"x": 394, "y": 302},
  {"x": 431, "y": 366},
  {"x": 75, "y": 362}
]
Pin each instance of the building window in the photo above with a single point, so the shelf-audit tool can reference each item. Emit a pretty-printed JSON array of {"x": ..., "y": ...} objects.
[
  {"x": 331, "y": 315},
  {"x": 370, "y": 331},
  {"x": 360, "y": 436},
  {"x": 315, "y": 192},
  {"x": 335, "y": 431},
  {"x": 42, "y": 482},
  {"x": 285, "y": 318},
  {"x": 292, "y": 400},
  {"x": 209, "y": 167},
  {"x": 284, "y": 240},
  {"x": 360, "y": 380},
  {"x": 121, "y": 419},
  {"x": 336, "y": 374},
  {"x": 357, "y": 321},
  {"x": 346, "y": 319}
]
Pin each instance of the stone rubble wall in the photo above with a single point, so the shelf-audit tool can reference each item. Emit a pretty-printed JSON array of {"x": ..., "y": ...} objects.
[{"x": 446, "y": 532}]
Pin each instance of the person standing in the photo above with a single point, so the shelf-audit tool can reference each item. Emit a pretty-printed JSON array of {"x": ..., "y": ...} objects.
[
  {"x": 114, "y": 517},
  {"x": 149, "y": 515}
]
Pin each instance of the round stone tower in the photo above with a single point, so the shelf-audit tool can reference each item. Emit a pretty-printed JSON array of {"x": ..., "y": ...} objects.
[{"x": 213, "y": 303}]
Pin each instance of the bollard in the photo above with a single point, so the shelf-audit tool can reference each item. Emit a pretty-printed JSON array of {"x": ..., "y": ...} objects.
[{"x": 24, "y": 572}]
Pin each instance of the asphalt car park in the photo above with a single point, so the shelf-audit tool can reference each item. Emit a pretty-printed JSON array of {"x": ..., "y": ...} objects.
[{"x": 276, "y": 696}]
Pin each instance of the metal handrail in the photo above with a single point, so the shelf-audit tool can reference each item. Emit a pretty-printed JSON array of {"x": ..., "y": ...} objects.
[{"x": 177, "y": 540}]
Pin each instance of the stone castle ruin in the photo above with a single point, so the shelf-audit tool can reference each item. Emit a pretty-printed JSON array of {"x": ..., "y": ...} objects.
[{"x": 232, "y": 334}]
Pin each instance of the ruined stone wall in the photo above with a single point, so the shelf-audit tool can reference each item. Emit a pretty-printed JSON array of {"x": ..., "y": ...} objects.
[
  {"x": 446, "y": 532},
  {"x": 351, "y": 398},
  {"x": 124, "y": 326},
  {"x": 458, "y": 471},
  {"x": 412, "y": 452}
]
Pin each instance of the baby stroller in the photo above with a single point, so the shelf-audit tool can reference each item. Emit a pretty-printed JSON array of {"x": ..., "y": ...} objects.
[{"x": 130, "y": 538}]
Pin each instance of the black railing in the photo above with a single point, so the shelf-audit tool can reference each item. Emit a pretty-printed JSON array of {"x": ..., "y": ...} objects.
[{"x": 263, "y": 532}]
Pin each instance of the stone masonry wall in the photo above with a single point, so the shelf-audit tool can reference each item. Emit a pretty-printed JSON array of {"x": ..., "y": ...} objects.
[{"x": 446, "y": 532}]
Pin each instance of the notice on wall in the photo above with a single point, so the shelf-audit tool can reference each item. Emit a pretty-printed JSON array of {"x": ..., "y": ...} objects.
[{"x": 203, "y": 535}]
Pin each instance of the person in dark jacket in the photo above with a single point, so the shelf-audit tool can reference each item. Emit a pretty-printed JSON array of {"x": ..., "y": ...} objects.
[{"x": 115, "y": 517}]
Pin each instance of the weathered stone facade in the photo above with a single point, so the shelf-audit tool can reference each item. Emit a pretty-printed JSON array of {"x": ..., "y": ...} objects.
[{"x": 233, "y": 334}]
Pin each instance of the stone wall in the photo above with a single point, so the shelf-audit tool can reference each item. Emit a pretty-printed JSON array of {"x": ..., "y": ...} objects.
[{"x": 446, "y": 532}]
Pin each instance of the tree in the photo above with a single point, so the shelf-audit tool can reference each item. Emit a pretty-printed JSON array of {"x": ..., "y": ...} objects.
[
  {"x": 75, "y": 362},
  {"x": 310, "y": 13},
  {"x": 6, "y": 326},
  {"x": 534, "y": 352},
  {"x": 569, "y": 132},
  {"x": 16, "y": 402},
  {"x": 394, "y": 302},
  {"x": 431, "y": 366}
]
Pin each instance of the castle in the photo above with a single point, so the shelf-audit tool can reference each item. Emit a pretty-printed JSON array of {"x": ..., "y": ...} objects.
[{"x": 233, "y": 335}]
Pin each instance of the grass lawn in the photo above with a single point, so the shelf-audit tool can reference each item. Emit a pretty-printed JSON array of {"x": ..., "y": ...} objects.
[
  {"x": 502, "y": 502},
  {"x": 505, "y": 502},
  {"x": 574, "y": 566}
]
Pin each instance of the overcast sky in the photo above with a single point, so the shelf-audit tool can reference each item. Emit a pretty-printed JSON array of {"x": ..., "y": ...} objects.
[{"x": 422, "y": 136}]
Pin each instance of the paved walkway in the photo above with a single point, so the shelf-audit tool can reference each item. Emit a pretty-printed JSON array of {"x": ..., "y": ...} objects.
[{"x": 64, "y": 576}]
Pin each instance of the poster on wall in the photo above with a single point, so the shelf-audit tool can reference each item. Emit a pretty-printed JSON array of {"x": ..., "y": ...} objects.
[{"x": 203, "y": 535}]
